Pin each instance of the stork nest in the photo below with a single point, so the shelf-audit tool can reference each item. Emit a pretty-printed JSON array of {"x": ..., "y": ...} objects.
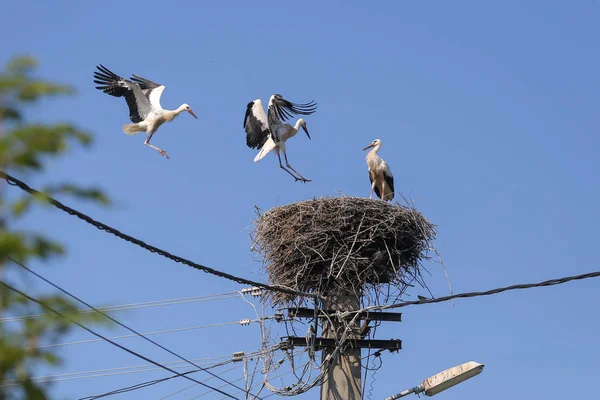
[{"x": 344, "y": 243}]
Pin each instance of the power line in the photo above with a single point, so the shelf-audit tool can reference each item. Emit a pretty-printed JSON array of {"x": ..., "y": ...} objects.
[
  {"x": 551, "y": 282},
  {"x": 136, "y": 386},
  {"x": 103, "y": 227},
  {"x": 117, "y": 322},
  {"x": 99, "y": 373},
  {"x": 108, "y": 340},
  {"x": 239, "y": 379},
  {"x": 260, "y": 383},
  {"x": 194, "y": 385},
  {"x": 190, "y": 328},
  {"x": 265, "y": 383},
  {"x": 132, "y": 306},
  {"x": 155, "y": 381},
  {"x": 141, "y": 385}
]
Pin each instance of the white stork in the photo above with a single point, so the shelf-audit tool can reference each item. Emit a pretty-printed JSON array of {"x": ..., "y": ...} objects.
[
  {"x": 143, "y": 99},
  {"x": 380, "y": 174},
  {"x": 268, "y": 132}
]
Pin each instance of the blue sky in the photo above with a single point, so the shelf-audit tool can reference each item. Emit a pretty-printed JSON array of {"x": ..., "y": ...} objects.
[{"x": 488, "y": 116}]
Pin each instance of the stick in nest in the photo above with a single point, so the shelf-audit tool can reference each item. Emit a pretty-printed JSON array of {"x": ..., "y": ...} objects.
[{"x": 358, "y": 241}]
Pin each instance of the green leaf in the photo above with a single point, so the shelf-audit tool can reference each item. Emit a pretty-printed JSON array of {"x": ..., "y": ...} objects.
[
  {"x": 26, "y": 146},
  {"x": 22, "y": 245}
]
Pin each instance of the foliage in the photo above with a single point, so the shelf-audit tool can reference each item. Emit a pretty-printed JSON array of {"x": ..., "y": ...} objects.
[{"x": 24, "y": 148}]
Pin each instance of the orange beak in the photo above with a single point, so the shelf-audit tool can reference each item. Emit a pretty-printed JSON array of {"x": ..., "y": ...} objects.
[{"x": 191, "y": 112}]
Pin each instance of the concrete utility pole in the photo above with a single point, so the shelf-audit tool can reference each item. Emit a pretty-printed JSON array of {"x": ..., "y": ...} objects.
[{"x": 343, "y": 380}]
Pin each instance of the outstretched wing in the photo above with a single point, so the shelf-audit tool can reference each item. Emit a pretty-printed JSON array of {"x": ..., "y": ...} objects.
[
  {"x": 114, "y": 85},
  {"x": 281, "y": 109},
  {"x": 256, "y": 125},
  {"x": 151, "y": 90}
]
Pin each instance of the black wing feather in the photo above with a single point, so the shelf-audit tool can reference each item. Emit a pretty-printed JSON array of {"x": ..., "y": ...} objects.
[
  {"x": 256, "y": 133},
  {"x": 389, "y": 181},
  {"x": 285, "y": 109},
  {"x": 146, "y": 85},
  {"x": 114, "y": 85}
]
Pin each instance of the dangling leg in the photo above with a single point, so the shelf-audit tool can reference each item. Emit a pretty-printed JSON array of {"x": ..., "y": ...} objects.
[
  {"x": 303, "y": 179},
  {"x": 161, "y": 151},
  {"x": 284, "y": 168},
  {"x": 383, "y": 197},
  {"x": 372, "y": 189}
]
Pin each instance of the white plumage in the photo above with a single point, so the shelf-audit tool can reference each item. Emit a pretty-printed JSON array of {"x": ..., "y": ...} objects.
[
  {"x": 268, "y": 131},
  {"x": 380, "y": 173},
  {"x": 143, "y": 98}
]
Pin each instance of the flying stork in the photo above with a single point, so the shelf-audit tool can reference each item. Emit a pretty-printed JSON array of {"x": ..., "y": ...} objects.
[
  {"x": 143, "y": 98},
  {"x": 268, "y": 131},
  {"x": 380, "y": 174}
]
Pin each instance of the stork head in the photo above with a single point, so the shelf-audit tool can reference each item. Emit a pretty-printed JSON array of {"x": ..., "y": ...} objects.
[
  {"x": 302, "y": 123},
  {"x": 185, "y": 107},
  {"x": 374, "y": 143}
]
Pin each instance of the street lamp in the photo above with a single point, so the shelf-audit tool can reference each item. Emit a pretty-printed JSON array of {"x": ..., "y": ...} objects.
[{"x": 444, "y": 380}]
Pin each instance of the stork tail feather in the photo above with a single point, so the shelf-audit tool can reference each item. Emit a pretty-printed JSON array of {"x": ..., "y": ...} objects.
[
  {"x": 267, "y": 147},
  {"x": 132, "y": 129}
]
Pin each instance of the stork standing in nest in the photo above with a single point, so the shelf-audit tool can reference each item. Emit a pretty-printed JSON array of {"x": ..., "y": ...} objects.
[
  {"x": 268, "y": 131},
  {"x": 380, "y": 174},
  {"x": 143, "y": 98}
]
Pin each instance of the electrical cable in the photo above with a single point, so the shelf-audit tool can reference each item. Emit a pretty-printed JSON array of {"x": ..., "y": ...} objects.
[
  {"x": 155, "y": 381},
  {"x": 239, "y": 379},
  {"x": 103, "y": 227},
  {"x": 194, "y": 385},
  {"x": 140, "y": 385},
  {"x": 15, "y": 182},
  {"x": 114, "y": 320},
  {"x": 108, "y": 340},
  {"x": 276, "y": 376},
  {"x": 98, "y": 373},
  {"x": 242, "y": 322},
  {"x": 551, "y": 282},
  {"x": 132, "y": 306}
]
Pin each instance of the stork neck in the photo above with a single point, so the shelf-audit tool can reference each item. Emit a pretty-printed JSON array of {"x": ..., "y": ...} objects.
[
  {"x": 171, "y": 114},
  {"x": 297, "y": 126},
  {"x": 372, "y": 155},
  {"x": 375, "y": 149}
]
